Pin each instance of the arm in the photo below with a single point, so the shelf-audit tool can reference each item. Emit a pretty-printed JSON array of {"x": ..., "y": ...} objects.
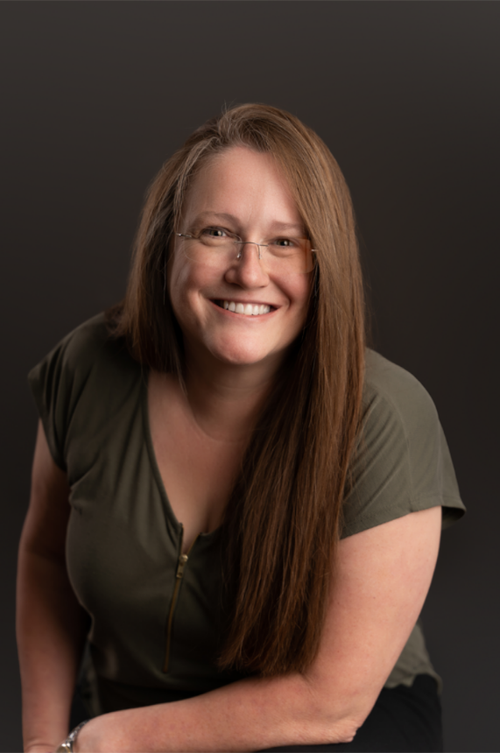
[
  {"x": 49, "y": 619},
  {"x": 382, "y": 577}
]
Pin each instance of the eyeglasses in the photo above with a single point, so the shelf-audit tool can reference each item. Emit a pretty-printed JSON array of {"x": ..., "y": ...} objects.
[{"x": 282, "y": 255}]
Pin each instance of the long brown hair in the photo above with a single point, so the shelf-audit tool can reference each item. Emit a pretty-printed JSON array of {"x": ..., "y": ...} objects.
[{"x": 282, "y": 521}]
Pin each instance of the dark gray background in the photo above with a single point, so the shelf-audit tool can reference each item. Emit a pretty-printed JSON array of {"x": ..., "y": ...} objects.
[{"x": 94, "y": 96}]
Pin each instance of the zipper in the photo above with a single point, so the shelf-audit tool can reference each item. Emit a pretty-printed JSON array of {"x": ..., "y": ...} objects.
[{"x": 181, "y": 564}]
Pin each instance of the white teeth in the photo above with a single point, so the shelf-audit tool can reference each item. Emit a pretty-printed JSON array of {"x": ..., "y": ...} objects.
[{"x": 249, "y": 309}]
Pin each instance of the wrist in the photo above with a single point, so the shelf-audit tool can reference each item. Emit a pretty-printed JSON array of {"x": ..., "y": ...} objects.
[{"x": 68, "y": 745}]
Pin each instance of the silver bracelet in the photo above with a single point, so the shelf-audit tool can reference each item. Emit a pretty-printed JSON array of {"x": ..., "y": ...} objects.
[{"x": 67, "y": 745}]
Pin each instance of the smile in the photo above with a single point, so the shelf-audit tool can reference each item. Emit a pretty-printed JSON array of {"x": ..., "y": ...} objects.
[{"x": 248, "y": 309}]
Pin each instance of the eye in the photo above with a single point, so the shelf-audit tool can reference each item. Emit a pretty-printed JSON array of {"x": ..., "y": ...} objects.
[
  {"x": 284, "y": 245},
  {"x": 215, "y": 232},
  {"x": 285, "y": 242}
]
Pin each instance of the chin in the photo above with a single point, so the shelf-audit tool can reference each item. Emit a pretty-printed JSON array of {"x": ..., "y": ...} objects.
[
  {"x": 243, "y": 359},
  {"x": 239, "y": 356}
]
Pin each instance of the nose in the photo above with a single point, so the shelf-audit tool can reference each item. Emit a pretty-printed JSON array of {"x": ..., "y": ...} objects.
[
  {"x": 248, "y": 270},
  {"x": 253, "y": 243}
]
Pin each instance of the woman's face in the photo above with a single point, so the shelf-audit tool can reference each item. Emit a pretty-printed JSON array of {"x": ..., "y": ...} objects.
[{"x": 243, "y": 192}]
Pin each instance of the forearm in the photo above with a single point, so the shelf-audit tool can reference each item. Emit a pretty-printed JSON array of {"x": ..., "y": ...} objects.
[
  {"x": 382, "y": 577},
  {"x": 248, "y": 715},
  {"x": 50, "y": 634}
]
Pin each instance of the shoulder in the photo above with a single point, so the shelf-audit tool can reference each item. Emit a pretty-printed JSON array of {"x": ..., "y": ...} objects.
[
  {"x": 393, "y": 394},
  {"x": 402, "y": 463},
  {"x": 85, "y": 350},
  {"x": 87, "y": 375},
  {"x": 89, "y": 342},
  {"x": 86, "y": 339}
]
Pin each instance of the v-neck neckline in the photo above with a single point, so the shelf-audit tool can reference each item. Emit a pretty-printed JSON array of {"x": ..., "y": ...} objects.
[{"x": 148, "y": 438}]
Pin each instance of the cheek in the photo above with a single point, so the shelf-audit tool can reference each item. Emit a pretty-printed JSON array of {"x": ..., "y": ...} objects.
[
  {"x": 177, "y": 283},
  {"x": 299, "y": 293},
  {"x": 180, "y": 278},
  {"x": 186, "y": 281}
]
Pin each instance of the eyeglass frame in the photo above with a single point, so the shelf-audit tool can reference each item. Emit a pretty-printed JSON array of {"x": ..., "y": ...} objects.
[{"x": 242, "y": 243}]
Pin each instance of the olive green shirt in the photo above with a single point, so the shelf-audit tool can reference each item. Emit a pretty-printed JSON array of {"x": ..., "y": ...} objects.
[{"x": 155, "y": 621}]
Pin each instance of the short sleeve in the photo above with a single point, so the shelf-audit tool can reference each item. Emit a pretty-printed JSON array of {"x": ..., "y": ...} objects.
[
  {"x": 59, "y": 379},
  {"x": 402, "y": 463}
]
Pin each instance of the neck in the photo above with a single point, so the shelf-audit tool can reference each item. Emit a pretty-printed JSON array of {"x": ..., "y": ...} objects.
[{"x": 225, "y": 399}]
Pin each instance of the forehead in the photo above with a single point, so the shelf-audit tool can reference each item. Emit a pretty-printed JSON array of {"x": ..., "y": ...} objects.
[{"x": 241, "y": 182}]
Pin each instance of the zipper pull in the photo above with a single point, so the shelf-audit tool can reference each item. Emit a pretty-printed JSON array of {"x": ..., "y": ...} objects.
[{"x": 181, "y": 565}]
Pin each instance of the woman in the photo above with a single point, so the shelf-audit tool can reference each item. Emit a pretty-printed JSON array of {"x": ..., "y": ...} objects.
[{"x": 271, "y": 600}]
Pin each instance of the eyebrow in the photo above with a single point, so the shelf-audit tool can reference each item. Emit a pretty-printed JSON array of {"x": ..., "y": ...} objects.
[{"x": 225, "y": 217}]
